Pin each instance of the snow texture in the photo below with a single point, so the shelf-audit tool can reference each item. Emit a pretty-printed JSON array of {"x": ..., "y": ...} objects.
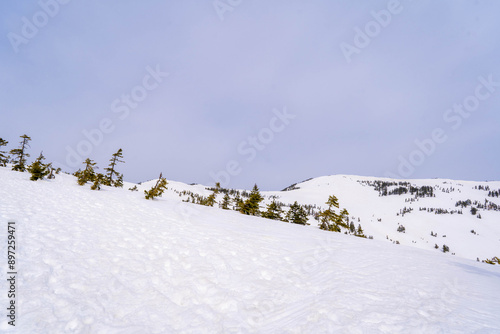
[{"x": 110, "y": 261}]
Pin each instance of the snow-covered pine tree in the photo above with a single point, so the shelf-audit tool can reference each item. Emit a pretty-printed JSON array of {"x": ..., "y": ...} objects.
[
  {"x": 111, "y": 170},
  {"x": 19, "y": 155},
  {"x": 4, "y": 159},
  {"x": 38, "y": 169}
]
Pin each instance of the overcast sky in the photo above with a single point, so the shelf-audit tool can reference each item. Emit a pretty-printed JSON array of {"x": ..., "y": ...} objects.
[{"x": 266, "y": 92}]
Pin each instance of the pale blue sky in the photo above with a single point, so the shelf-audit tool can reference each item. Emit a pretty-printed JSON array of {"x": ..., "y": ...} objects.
[{"x": 227, "y": 76}]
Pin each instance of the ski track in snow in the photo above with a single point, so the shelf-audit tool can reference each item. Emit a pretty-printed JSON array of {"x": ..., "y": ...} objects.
[{"x": 111, "y": 262}]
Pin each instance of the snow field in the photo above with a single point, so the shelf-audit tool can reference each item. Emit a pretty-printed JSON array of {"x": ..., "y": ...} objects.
[{"x": 111, "y": 262}]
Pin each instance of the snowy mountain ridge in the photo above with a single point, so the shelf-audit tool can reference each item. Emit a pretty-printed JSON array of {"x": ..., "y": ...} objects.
[
  {"x": 380, "y": 214},
  {"x": 110, "y": 261}
]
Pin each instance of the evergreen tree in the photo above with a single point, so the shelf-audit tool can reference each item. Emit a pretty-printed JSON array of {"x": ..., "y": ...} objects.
[
  {"x": 111, "y": 170},
  {"x": 333, "y": 202},
  {"x": 158, "y": 189},
  {"x": 51, "y": 171},
  {"x": 252, "y": 204},
  {"x": 296, "y": 214},
  {"x": 119, "y": 181},
  {"x": 38, "y": 169},
  {"x": 20, "y": 155},
  {"x": 238, "y": 203},
  {"x": 210, "y": 200},
  {"x": 343, "y": 219},
  {"x": 226, "y": 201},
  {"x": 352, "y": 228},
  {"x": 88, "y": 174},
  {"x": 274, "y": 211},
  {"x": 4, "y": 159},
  {"x": 99, "y": 179},
  {"x": 329, "y": 218},
  {"x": 360, "y": 233}
]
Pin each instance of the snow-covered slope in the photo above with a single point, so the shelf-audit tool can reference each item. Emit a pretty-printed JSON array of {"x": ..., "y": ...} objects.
[
  {"x": 380, "y": 216},
  {"x": 110, "y": 261},
  {"x": 362, "y": 200}
]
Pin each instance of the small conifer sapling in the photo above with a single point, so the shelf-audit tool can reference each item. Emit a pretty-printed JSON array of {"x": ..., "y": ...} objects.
[
  {"x": 158, "y": 189},
  {"x": 38, "y": 169},
  {"x": 88, "y": 174},
  {"x": 329, "y": 218},
  {"x": 226, "y": 202},
  {"x": 296, "y": 214},
  {"x": 360, "y": 233},
  {"x": 111, "y": 170},
  {"x": 210, "y": 200},
  {"x": 273, "y": 211},
  {"x": 4, "y": 158},
  {"x": 19, "y": 155},
  {"x": 99, "y": 180},
  {"x": 252, "y": 204}
]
